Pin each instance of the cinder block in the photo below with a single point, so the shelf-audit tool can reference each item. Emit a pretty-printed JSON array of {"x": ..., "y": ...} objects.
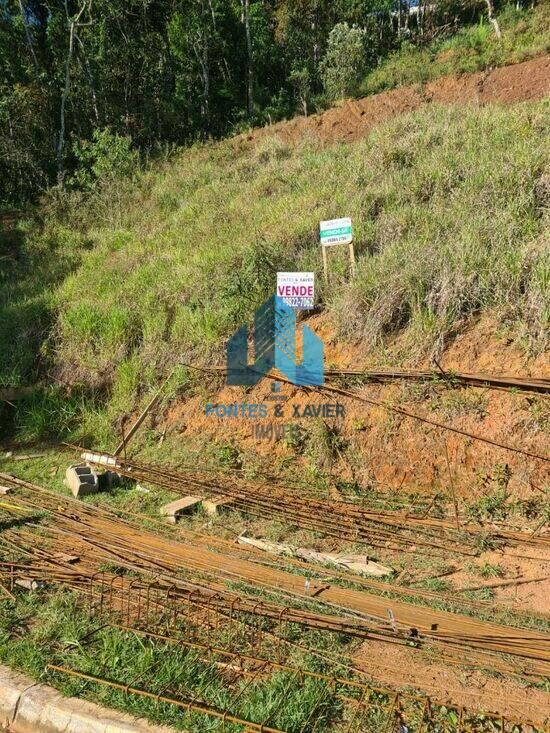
[
  {"x": 176, "y": 509},
  {"x": 82, "y": 480},
  {"x": 29, "y": 583},
  {"x": 217, "y": 505}
]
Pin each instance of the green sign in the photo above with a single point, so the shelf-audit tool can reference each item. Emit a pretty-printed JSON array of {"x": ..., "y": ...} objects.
[{"x": 336, "y": 231}]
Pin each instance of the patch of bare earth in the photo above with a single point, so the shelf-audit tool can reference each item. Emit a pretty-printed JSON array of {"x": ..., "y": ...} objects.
[
  {"x": 392, "y": 451},
  {"x": 400, "y": 667},
  {"x": 512, "y": 566},
  {"x": 354, "y": 118}
]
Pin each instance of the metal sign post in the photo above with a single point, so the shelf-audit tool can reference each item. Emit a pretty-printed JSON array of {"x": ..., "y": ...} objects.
[{"x": 334, "y": 232}]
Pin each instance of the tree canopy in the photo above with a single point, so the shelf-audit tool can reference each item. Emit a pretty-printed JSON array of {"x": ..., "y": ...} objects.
[{"x": 159, "y": 72}]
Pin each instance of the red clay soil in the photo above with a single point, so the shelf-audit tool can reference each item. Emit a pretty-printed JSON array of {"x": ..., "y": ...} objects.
[
  {"x": 394, "y": 451},
  {"x": 353, "y": 118},
  {"x": 399, "y": 667},
  {"x": 527, "y": 597}
]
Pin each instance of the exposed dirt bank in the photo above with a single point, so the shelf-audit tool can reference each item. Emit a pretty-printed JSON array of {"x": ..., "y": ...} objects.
[
  {"x": 353, "y": 118},
  {"x": 389, "y": 451}
]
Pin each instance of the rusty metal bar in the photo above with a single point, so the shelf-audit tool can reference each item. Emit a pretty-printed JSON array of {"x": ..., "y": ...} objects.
[{"x": 187, "y": 705}]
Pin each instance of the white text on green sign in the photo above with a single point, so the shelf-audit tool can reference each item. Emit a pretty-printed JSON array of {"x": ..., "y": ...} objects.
[{"x": 336, "y": 231}]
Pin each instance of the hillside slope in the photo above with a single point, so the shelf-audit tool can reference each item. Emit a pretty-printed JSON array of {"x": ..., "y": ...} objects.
[
  {"x": 450, "y": 209},
  {"x": 353, "y": 118}
]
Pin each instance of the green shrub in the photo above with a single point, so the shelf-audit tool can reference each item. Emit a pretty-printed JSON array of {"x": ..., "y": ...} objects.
[
  {"x": 344, "y": 62},
  {"x": 102, "y": 159}
]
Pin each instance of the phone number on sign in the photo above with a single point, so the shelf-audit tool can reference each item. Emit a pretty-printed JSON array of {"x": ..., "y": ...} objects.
[{"x": 298, "y": 302}]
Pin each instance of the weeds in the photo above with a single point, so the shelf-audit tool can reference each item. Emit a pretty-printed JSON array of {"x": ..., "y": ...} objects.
[
  {"x": 481, "y": 594},
  {"x": 534, "y": 507},
  {"x": 494, "y": 504},
  {"x": 436, "y": 584},
  {"x": 539, "y": 414},
  {"x": 488, "y": 570},
  {"x": 41, "y": 629},
  {"x": 296, "y": 438},
  {"x": 462, "y": 402},
  {"x": 490, "y": 506},
  {"x": 325, "y": 445},
  {"x": 229, "y": 456}
]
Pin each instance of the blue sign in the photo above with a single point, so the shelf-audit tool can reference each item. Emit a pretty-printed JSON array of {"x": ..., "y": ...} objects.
[{"x": 275, "y": 331}]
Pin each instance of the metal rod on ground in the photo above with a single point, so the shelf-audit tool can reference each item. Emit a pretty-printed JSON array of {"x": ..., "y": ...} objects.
[
  {"x": 504, "y": 583},
  {"x": 136, "y": 426},
  {"x": 458, "y": 379},
  {"x": 398, "y": 411},
  {"x": 98, "y": 536},
  {"x": 8, "y": 594},
  {"x": 184, "y": 704},
  {"x": 452, "y": 483},
  {"x": 433, "y": 423}
]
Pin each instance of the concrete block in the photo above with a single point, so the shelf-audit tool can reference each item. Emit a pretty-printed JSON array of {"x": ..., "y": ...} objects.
[
  {"x": 176, "y": 509},
  {"x": 82, "y": 480},
  {"x": 217, "y": 505},
  {"x": 29, "y": 583},
  {"x": 4, "y": 490}
]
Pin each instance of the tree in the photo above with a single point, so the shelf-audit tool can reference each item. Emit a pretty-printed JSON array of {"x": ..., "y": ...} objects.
[
  {"x": 208, "y": 62},
  {"x": 74, "y": 23},
  {"x": 492, "y": 19},
  {"x": 344, "y": 62},
  {"x": 301, "y": 81},
  {"x": 171, "y": 71},
  {"x": 302, "y": 28},
  {"x": 249, "y": 58}
]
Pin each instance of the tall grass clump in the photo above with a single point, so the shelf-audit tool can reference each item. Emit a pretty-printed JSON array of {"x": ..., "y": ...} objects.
[
  {"x": 449, "y": 209},
  {"x": 458, "y": 226}
]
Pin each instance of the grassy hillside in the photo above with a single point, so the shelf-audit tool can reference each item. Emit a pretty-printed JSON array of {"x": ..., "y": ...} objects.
[
  {"x": 525, "y": 33},
  {"x": 449, "y": 207}
]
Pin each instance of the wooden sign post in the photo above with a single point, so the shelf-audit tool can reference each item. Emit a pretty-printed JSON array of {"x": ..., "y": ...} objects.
[{"x": 334, "y": 232}]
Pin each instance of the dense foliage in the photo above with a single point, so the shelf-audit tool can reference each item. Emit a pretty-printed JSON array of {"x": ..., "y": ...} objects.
[{"x": 161, "y": 72}]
